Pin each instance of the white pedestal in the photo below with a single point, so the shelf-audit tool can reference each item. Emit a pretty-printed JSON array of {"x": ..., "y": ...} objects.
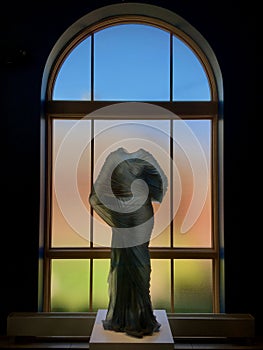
[{"x": 102, "y": 339}]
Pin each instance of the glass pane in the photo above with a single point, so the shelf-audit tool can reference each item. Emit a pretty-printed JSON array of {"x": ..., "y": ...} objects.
[
  {"x": 71, "y": 183},
  {"x": 73, "y": 81},
  {"x": 131, "y": 62},
  {"x": 192, "y": 183},
  {"x": 100, "y": 297},
  {"x": 70, "y": 285},
  {"x": 160, "y": 287},
  {"x": 133, "y": 135},
  {"x": 193, "y": 286},
  {"x": 162, "y": 239},
  {"x": 190, "y": 81}
]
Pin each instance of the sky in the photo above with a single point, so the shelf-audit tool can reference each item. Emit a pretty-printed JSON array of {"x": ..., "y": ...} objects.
[{"x": 132, "y": 63}]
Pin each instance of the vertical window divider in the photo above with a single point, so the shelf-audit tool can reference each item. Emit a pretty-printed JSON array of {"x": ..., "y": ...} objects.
[
  {"x": 171, "y": 213},
  {"x": 171, "y": 185},
  {"x": 171, "y": 173},
  {"x": 172, "y": 285},
  {"x": 92, "y": 68},
  {"x": 91, "y": 285},
  {"x": 92, "y": 138},
  {"x": 91, "y": 173},
  {"x": 91, "y": 179},
  {"x": 171, "y": 143},
  {"x": 171, "y": 67}
]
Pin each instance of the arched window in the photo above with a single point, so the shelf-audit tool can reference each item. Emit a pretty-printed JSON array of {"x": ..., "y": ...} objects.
[{"x": 132, "y": 76}]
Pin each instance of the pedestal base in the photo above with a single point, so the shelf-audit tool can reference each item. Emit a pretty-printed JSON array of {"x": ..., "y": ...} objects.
[{"x": 102, "y": 339}]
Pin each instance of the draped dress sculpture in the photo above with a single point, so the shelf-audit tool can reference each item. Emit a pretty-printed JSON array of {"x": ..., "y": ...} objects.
[{"x": 122, "y": 196}]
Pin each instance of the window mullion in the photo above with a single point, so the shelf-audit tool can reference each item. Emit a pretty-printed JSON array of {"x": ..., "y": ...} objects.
[
  {"x": 92, "y": 68},
  {"x": 172, "y": 285},
  {"x": 91, "y": 181},
  {"x": 171, "y": 67},
  {"x": 91, "y": 286},
  {"x": 171, "y": 184}
]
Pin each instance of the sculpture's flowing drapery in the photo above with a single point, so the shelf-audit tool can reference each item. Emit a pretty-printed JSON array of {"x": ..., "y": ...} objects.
[{"x": 122, "y": 195}]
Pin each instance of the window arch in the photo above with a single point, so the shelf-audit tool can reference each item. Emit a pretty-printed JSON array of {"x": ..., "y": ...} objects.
[{"x": 130, "y": 75}]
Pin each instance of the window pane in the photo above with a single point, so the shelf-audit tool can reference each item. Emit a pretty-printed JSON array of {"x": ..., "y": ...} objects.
[
  {"x": 160, "y": 284},
  {"x": 70, "y": 285},
  {"x": 132, "y": 135},
  {"x": 192, "y": 183},
  {"x": 131, "y": 62},
  {"x": 74, "y": 77},
  {"x": 190, "y": 82},
  {"x": 100, "y": 297},
  {"x": 71, "y": 183},
  {"x": 193, "y": 286},
  {"x": 162, "y": 239}
]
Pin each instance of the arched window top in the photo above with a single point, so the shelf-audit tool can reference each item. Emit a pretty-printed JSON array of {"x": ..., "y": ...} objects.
[
  {"x": 132, "y": 59},
  {"x": 132, "y": 62}
]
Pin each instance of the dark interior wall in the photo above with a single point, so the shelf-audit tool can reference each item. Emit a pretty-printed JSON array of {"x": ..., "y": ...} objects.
[{"x": 35, "y": 27}]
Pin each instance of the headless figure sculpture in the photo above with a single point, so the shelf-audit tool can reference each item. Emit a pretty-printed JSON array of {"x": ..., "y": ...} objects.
[{"x": 126, "y": 205}]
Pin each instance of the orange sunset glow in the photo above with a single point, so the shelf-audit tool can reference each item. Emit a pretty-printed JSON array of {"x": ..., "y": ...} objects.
[{"x": 109, "y": 135}]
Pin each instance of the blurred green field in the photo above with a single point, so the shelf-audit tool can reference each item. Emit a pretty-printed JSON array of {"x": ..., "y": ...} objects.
[{"x": 70, "y": 285}]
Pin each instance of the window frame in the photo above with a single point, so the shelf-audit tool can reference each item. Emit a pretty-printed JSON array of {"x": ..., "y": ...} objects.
[{"x": 185, "y": 110}]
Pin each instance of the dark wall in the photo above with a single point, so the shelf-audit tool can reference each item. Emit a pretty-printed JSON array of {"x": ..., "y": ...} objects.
[{"x": 35, "y": 28}]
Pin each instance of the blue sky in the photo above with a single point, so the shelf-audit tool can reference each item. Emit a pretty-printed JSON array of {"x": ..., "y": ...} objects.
[{"x": 132, "y": 63}]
